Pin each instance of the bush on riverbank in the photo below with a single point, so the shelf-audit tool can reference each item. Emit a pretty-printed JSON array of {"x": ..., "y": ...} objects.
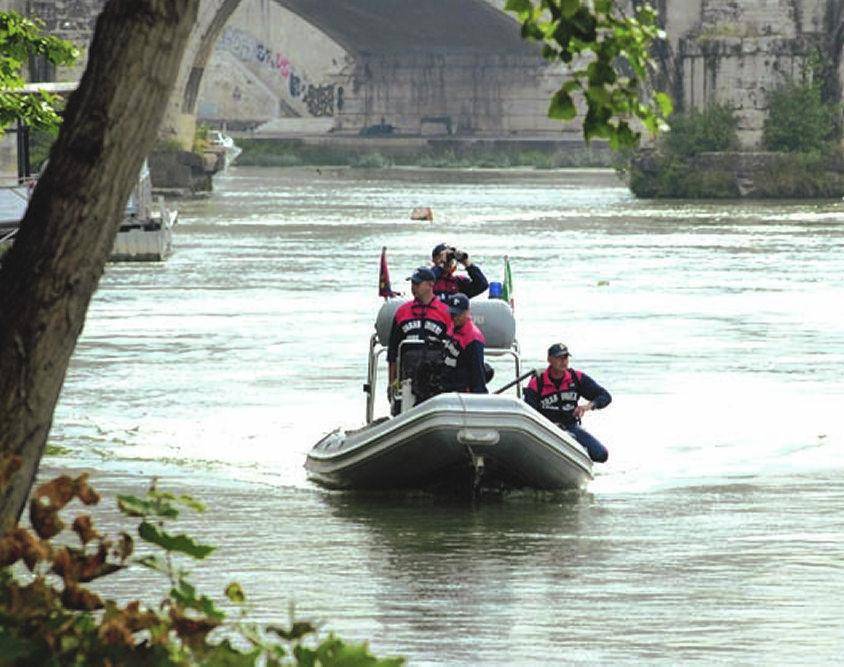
[
  {"x": 812, "y": 175},
  {"x": 50, "y": 615},
  {"x": 799, "y": 121},
  {"x": 296, "y": 153},
  {"x": 698, "y": 158},
  {"x": 708, "y": 130},
  {"x": 667, "y": 172}
]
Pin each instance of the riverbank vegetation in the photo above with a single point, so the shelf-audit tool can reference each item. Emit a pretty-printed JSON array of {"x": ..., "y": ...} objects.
[
  {"x": 668, "y": 171},
  {"x": 51, "y": 614},
  {"x": 445, "y": 154},
  {"x": 700, "y": 156}
]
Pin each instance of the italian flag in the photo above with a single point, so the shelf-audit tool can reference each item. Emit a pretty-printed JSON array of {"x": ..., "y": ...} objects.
[{"x": 507, "y": 283}]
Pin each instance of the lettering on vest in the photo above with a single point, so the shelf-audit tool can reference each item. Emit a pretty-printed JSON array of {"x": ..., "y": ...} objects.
[{"x": 410, "y": 325}]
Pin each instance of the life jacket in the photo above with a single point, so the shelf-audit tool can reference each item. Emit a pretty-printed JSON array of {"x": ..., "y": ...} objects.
[
  {"x": 557, "y": 403},
  {"x": 433, "y": 325},
  {"x": 417, "y": 320},
  {"x": 460, "y": 340},
  {"x": 447, "y": 284}
]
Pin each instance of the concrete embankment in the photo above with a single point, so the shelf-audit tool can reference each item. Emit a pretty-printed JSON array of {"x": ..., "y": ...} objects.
[{"x": 419, "y": 151}]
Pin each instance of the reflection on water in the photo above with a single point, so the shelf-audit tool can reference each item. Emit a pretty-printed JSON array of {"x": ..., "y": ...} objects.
[
  {"x": 749, "y": 571},
  {"x": 712, "y": 533}
]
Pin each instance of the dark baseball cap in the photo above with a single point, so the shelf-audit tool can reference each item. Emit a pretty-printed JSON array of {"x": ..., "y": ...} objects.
[
  {"x": 558, "y": 350},
  {"x": 438, "y": 249},
  {"x": 422, "y": 274},
  {"x": 457, "y": 303}
]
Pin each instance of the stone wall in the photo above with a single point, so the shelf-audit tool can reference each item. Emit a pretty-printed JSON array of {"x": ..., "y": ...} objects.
[
  {"x": 463, "y": 94},
  {"x": 268, "y": 56},
  {"x": 738, "y": 51},
  {"x": 730, "y": 51},
  {"x": 268, "y": 63},
  {"x": 73, "y": 20}
]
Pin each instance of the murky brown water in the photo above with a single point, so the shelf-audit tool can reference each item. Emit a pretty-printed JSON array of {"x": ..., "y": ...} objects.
[{"x": 714, "y": 532}]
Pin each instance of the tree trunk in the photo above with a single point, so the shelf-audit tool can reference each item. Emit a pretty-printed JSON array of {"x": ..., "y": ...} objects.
[{"x": 51, "y": 272}]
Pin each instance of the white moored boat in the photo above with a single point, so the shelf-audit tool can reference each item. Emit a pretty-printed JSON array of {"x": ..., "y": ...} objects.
[
  {"x": 452, "y": 442},
  {"x": 146, "y": 231}
]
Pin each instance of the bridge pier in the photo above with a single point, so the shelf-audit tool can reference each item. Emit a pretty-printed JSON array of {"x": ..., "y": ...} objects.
[{"x": 350, "y": 63}]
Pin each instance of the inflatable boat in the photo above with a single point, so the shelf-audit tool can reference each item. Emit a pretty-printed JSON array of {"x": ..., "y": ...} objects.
[{"x": 450, "y": 442}]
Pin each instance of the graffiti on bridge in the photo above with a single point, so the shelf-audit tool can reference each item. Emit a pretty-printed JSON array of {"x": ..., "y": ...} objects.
[{"x": 319, "y": 99}]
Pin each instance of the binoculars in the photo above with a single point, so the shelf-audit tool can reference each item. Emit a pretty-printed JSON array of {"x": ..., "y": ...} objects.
[{"x": 452, "y": 254}]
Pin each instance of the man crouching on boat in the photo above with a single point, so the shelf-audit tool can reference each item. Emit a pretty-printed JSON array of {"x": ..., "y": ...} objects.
[
  {"x": 555, "y": 394},
  {"x": 425, "y": 318},
  {"x": 465, "y": 358}
]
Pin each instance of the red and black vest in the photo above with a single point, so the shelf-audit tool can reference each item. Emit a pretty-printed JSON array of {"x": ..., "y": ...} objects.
[
  {"x": 460, "y": 340},
  {"x": 416, "y": 320},
  {"x": 557, "y": 398},
  {"x": 447, "y": 284}
]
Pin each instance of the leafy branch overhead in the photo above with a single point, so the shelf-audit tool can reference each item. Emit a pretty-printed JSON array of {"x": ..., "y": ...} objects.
[
  {"x": 20, "y": 39},
  {"x": 607, "y": 55}
]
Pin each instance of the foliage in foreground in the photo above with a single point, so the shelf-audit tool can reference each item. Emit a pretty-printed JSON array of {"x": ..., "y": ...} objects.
[
  {"x": 20, "y": 40},
  {"x": 609, "y": 63},
  {"x": 48, "y": 615}
]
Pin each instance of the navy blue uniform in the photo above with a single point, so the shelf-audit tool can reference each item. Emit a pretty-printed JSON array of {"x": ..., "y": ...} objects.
[
  {"x": 556, "y": 399},
  {"x": 472, "y": 285},
  {"x": 466, "y": 360}
]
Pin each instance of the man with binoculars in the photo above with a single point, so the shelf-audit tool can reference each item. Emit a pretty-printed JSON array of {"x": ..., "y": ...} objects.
[{"x": 445, "y": 259}]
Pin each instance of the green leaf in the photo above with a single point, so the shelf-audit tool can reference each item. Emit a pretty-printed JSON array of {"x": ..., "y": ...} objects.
[
  {"x": 562, "y": 106},
  {"x": 549, "y": 52},
  {"x": 333, "y": 651},
  {"x": 13, "y": 648},
  {"x": 568, "y": 8},
  {"x": 20, "y": 40},
  {"x": 181, "y": 543},
  {"x": 570, "y": 85},
  {"x": 140, "y": 507},
  {"x": 666, "y": 106},
  {"x": 154, "y": 562},
  {"x": 601, "y": 72},
  {"x": 599, "y": 95},
  {"x": 297, "y": 631},
  {"x": 518, "y": 6},
  {"x": 185, "y": 594},
  {"x": 226, "y": 655},
  {"x": 183, "y": 499},
  {"x": 234, "y": 592}
]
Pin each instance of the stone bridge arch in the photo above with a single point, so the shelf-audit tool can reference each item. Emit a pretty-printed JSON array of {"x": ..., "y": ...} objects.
[{"x": 456, "y": 66}]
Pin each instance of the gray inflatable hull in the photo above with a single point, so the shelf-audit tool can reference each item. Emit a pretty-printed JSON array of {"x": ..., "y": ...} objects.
[{"x": 436, "y": 446}]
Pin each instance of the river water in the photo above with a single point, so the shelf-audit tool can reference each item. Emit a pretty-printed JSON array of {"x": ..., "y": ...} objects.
[{"x": 714, "y": 532}]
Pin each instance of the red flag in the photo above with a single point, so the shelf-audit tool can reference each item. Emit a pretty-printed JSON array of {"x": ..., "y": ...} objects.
[{"x": 384, "y": 287}]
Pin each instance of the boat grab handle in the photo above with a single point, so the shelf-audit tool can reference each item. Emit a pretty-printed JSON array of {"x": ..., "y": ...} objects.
[{"x": 516, "y": 381}]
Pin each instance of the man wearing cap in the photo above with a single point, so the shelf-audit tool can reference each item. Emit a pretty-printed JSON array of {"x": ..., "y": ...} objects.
[
  {"x": 555, "y": 394},
  {"x": 445, "y": 260},
  {"x": 424, "y": 318},
  {"x": 465, "y": 350}
]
